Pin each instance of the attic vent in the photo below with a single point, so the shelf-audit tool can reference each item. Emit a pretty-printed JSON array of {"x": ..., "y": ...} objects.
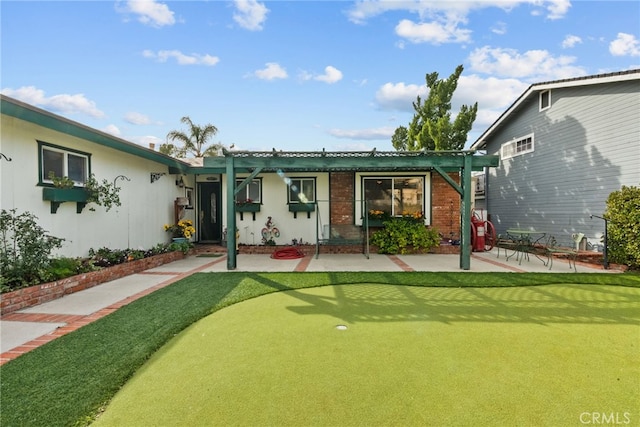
[
  {"x": 517, "y": 147},
  {"x": 545, "y": 99}
]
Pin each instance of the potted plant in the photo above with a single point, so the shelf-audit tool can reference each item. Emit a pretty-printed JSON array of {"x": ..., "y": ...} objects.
[
  {"x": 64, "y": 190},
  {"x": 376, "y": 218},
  {"x": 182, "y": 231}
]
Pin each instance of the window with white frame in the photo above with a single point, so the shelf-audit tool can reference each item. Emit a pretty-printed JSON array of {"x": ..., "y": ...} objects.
[
  {"x": 302, "y": 190},
  {"x": 63, "y": 162},
  {"x": 394, "y": 195},
  {"x": 545, "y": 99},
  {"x": 517, "y": 147},
  {"x": 251, "y": 193}
]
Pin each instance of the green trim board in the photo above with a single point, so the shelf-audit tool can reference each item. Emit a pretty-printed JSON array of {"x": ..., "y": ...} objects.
[
  {"x": 31, "y": 114},
  {"x": 57, "y": 196}
]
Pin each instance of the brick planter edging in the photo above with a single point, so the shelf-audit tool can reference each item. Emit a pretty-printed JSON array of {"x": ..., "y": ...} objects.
[{"x": 38, "y": 294}]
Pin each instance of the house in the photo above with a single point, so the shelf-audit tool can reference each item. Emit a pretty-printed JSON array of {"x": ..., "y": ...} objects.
[
  {"x": 564, "y": 146},
  {"x": 37, "y": 141},
  {"x": 281, "y": 197}
]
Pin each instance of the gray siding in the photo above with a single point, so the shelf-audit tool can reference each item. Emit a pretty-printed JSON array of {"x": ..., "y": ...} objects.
[{"x": 586, "y": 146}]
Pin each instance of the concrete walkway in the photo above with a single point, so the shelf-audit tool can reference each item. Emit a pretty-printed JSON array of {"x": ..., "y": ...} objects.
[{"x": 32, "y": 327}]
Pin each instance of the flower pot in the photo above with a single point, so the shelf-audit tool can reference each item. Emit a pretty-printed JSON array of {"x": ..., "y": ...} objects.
[
  {"x": 302, "y": 207},
  {"x": 248, "y": 207},
  {"x": 180, "y": 240},
  {"x": 60, "y": 195}
]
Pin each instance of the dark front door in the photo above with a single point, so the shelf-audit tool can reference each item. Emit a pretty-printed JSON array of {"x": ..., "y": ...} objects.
[{"x": 210, "y": 212}]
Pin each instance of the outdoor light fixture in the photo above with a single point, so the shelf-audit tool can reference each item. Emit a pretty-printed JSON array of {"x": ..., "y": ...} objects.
[{"x": 180, "y": 182}]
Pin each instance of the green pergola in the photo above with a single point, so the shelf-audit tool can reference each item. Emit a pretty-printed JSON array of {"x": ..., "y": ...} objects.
[{"x": 442, "y": 162}]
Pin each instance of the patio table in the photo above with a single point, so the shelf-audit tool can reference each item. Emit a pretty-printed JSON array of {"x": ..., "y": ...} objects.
[{"x": 526, "y": 242}]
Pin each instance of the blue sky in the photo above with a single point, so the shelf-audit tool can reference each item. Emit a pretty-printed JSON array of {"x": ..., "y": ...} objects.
[{"x": 297, "y": 75}]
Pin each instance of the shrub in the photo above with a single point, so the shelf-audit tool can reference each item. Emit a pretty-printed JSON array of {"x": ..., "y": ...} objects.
[
  {"x": 25, "y": 250},
  {"x": 402, "y": 235},
  {"x": 59, "y": 268},
  {"x": 623, "y": 233}
]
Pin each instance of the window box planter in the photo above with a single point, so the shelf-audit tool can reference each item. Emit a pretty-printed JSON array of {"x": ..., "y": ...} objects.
[
  {"x": 58, "y": 196},
  {"x": 302, "y": 207},
  {"x": 248, "y": 207},
  {"x": 376, "y": 222}
]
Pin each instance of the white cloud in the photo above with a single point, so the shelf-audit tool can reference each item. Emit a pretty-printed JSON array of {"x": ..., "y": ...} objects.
[
  {"x": 625, "y": 45},
  {"x": 181, "y": 58},
  {"x": 534, "y": 65},
  {"x": 137, "y": 118},
  {"x": 398, "y": 96},
  {"x": 331, "y": 75},
  {"x": 493, "y": 96},
  {"x": 146, "y": 140},
  {"x": 272, "y": 71},
  {"x": 64, "y": 103},
  {"x": 149, "y": 12},
  {"x": 570, "y": 41},
  {"x": 432, "y": 32},
  {"x": 499, "y": 28},
  {"x": 557, "y": 8},
  {"x": 445, "y": 21},
  {"x": 112, "y": 129},
  {"x": 364, "y": 134},
  {"x": 250, "y": 14}
]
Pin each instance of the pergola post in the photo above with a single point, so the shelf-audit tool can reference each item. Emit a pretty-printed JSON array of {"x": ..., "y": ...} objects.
[
  {"x": 231, "y": 213},
  {"x": 465, "y": 227},
  {"x": 442, "y": 162}
]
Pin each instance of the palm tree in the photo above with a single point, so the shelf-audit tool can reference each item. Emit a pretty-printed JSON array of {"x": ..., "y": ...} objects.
[{"x": 193, "y": 142}]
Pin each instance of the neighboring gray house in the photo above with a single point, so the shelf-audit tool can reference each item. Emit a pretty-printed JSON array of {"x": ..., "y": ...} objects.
[{"x": 564, "y": 146}]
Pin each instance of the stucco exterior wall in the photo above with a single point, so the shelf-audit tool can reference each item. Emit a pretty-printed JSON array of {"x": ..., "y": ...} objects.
[
  {"x": 274, "y": 205},
  {"x": 138, "y": 223}
]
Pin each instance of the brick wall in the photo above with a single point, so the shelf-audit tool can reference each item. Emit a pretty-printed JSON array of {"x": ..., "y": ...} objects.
[
  {"x": 445, "y": 206},
  {"x": 34, "y": 295},
  {"x": 342, "y": 196}
]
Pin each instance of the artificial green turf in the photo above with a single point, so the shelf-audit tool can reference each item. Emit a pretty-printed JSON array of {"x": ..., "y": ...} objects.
[
  {"x": 410, "y": 356},
  {"x": 66, "y": 381}
]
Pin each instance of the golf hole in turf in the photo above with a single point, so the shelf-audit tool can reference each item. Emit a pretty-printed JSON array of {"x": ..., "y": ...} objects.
[{"x": 341, "y": 327}]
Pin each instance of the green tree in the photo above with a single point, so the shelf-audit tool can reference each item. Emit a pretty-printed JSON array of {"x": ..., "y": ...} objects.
[
  {"x": 623, "y": 214},
  {"x": 194, "y": 141},
  {"x": 431, "y": 127}
]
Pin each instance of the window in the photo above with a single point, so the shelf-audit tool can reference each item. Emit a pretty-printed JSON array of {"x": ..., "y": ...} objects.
[
  {"x": 251, "y": 193},
  {"x": 545, "y": 99},
  {"x": 63, "y": 162},
  {"x": 517, "y": 147},
  {"x": 302, "y": 190},
  {"x": 395, "y": 195}
]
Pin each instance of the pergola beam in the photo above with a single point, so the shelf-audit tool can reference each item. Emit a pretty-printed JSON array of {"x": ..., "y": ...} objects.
[{"x": 441, "y": 162}]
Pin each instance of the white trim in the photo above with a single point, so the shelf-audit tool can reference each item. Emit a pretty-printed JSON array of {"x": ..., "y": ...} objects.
[
  {"x": 585, "y": 81},
  {"x": 426, "y": 195},
  {"x": 517, "y": 147},
  {"x": 546, "y": 106}
]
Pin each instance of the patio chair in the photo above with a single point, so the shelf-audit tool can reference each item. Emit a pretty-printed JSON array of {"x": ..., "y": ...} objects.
[
  {"x": 505, "y": 242},
  {"x": 552, "y": 250}
]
